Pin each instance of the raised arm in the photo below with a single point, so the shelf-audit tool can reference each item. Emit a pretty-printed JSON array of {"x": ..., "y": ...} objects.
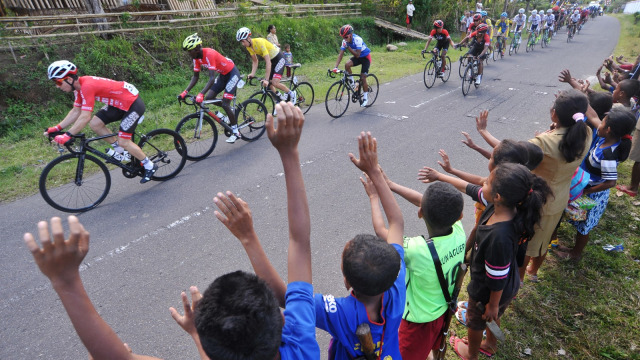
[
  {"x": 469, "y": 142},
  {"x": 429, "y": 175},
  {"x": 187, "y": 321},
  {"x": 408, "y": 194},
  {"x": 376, "y": 212},
  {"x": 59, "y": 261},
  {"x": 446, "y": 166},
  {"x": 368, "y": 162},
  {"x": 481, "y": 126}
]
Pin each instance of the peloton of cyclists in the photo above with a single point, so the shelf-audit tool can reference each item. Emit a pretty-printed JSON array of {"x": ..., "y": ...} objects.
[
  {"x": 361, "y": 56},
  {"x": 479, "y": 47},
  {"x": 442, "y": 43}
]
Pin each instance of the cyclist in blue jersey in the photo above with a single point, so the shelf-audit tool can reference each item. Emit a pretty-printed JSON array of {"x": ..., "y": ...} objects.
[{"x": 361, "y": 56}]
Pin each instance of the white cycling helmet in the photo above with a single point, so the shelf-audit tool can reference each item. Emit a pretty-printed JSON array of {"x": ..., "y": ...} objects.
[
  {"x": 577, "y": 12},
  {"x": 243, "y": 33},
  {"x": 534, "y": 12},
  {"x": 61, "y": 69},
  {"x": 521, "y": 11},
  {"x": 549, "y": 11}
]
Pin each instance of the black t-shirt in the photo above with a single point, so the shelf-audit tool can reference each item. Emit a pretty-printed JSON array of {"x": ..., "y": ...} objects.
[{"x": 493, "y": 257}]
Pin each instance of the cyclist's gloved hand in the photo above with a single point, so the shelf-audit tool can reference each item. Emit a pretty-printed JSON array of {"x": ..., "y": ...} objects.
[
  {"x": 183, "y": 95},
  {"x": 200, "y": 98},
  {"x": 335, "y": 70},
  {"x": 423, "y": 52},
  {"x": 54, "y": 129},
  {"x": 63, "y": 139}
]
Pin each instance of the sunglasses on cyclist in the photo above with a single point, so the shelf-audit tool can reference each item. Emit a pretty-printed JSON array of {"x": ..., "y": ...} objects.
[{"x": 59, "y": 82}]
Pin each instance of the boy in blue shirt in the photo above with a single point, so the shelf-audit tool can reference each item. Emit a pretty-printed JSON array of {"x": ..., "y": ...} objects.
[{"x": 374, "y": 270}]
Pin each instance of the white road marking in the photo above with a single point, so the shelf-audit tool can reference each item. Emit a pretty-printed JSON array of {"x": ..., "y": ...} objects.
[{"x": 430, "y": 100}]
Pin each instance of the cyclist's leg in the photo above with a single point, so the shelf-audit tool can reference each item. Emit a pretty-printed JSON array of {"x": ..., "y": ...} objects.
[
  {"x": 443, "y": 56},
  {"x": 128, "y": 126},
  {"x": 106, "y": 115},
  {"x": 277, "y": 68},
  {"x": 227, "y": 84},
  {"x": 364, "y": 70}
]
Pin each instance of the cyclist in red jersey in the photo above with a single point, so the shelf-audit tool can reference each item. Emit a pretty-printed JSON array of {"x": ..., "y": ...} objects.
[
  {"x": 479, "y": 47},
  {"x": 477, "y": 20},
  {"x": 443, "y": 40},
  {"x": 227, "y": 81},
  {"x": 121, "y": 103}
]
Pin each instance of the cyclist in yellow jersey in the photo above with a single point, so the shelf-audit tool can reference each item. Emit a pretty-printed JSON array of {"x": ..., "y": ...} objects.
[
  {"x": 486, "y": 20},
  {"x": 273, "y": 59}
]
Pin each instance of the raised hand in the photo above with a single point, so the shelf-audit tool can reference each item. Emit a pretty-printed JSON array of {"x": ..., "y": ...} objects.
[
  {"x": 187, "y": 321},
  {"x": 428, "y": 175},
  {"x": 565, "y": 76},
  {"x": 369, "y": 187},
  {"x": 445, "y": 164},
  {"x": 59, "y": 259},
  {"x": 481, "y": 121},
  {"x": 286, "y": 135},
  {"x": 468, "y": 141},
  {"x": 235, "y": 214},
  {"x": 368, "y": 147}
]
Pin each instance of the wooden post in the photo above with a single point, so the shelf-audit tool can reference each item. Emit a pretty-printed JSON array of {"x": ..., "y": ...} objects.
[{"x": 12, "y": 53}]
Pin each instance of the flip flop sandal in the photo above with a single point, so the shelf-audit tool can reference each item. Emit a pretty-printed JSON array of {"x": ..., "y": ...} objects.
[
  {"x": 627, "y": 191},
  {"x": 461, "y": 316},
  {"x": 486, "y": 353},
  {"x": 462, "y": 305},
  {"x": 453, "y": 341}
]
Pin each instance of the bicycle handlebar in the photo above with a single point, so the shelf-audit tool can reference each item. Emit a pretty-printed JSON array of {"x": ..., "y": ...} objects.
[{"x": 332, "y": 74}]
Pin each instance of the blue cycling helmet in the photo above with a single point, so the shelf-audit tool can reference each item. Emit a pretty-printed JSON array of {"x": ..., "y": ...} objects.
[
  {"x": 504, "y": 14},
  {"x": 483, "y": 13}
]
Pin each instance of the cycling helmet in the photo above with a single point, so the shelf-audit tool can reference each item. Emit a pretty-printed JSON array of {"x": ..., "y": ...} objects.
[
  {"x": 191, "y": 42},
  {"x": 243, "y": 33},
  {"x": 438, "y": 24},
  {"x": 483, "y": 13},
  {"x": 549, "y": 11},
  {"x": 482, "y": 28},
  {"x": 61, "y": 69},
  {"x": 556, "y": 8},
  {"x": 504, "y": 14},
  {"x": 521, "y": 11},
  {"x": 534, "y": 12},
  {"x": 577, "y": 12},
  {"x": 346, "y": 30},
  {"x": 477, "y": 17}
]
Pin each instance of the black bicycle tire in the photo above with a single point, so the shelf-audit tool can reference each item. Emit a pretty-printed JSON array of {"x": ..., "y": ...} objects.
[
  {"x": 447, "y": 71},
  {"x": 265, "y": 99},
  {"x": 426, "y": 72},
  {"x": 462, "y": 66},
  {"x": 464, "y": 79},
  {"x": 339, "y": 97},
  {"x": 207, "y": 121},
  {"x": 161, "y": 157},
  {"x": 55, "y": 204},
  {"x": 494, "y": 54},
  {"x": 377, "y": 88},
  {"x": 303, "y": 97},
  {"x": 251, "y": 122}
]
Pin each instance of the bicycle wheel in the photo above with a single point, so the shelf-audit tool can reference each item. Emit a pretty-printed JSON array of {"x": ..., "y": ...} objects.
[
  {"x": 200, "y": 140},
  {"x": 167, "y": 149},
  {"x": 266, "y": 99},
  {"x": 374, "y": 87},
  {"x": 252, "y": 117},
  {"x": 429, "y": 75},
  {"x": 447, "y": 71},
  {"x": 495, "y": 53},
  {"x": 512, "y": 46},
  {"x": 467, "y": 79},
  {"x": 543, "y": 43},
  {"x": 304, "y": 96},
  {"x": 464, "y": 61},
  {"x": 75, "y": 183},
  {"x": 337, "y": 100}
]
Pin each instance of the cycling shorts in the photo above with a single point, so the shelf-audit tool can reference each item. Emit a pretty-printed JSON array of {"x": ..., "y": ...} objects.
[
  {"x": 364, "y": 61},
  {"x": 227, "y": 83},
  {"x": 130, "y": 118},
  {"x": 477, "y": 50},
  {"x": 534, "y": 27},
  {"x": 443, "y": 46},
  {"x": 277, "y": 66},
  {"x": 518, "y": 28}
]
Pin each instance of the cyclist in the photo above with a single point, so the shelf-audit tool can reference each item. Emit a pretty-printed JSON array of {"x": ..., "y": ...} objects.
[
  {"x": 226, "y": 81},
  {"x": 502, "y": 30},
  {"x": 550, "y": 20},
  {"x": 479, "y": 47},
  {"x": 121, "y": 103},
  {"x": 273, "y": 59},
  {"x": 442, "y": 43},
  {"x": 534, "y": 20},
  {"x": 519, "y": 21},
  {"x": 487, "y": 21},
  {"x": 574, "y": 20},
  {"x": 361, "y": 56}
]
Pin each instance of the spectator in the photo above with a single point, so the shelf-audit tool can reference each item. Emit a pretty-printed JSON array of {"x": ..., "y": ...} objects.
[
  {"x": 464, "y": 22},
  {"x": 374, "y": 270},
  {"x": 271, "y": 35},
  {"x": 479, "y": 6},
  {"x": 410, "y": 10},
  {"x": 288, "y": 59}
]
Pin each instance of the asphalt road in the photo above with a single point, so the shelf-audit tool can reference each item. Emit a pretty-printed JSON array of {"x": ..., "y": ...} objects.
[{"x": 149, "y": 242}]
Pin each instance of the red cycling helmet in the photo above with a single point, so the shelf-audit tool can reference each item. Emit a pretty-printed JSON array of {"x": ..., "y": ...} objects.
[
  {"x": 438, "y": 24},
  {"x": 482, "y": 28},
  {"x": 477, "y": 17},
  {"x": 346, "y": 30}
]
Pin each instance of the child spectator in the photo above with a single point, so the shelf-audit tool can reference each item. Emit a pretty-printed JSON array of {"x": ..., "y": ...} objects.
[
  {"x": 515, "y": 198},
  {"x": 239, "y": 316},
  {"x": 424, "y": 313},
  {"x": 59, "y": 260},
  {"x": 610, "y": 147},
  {"x": 288, "y": 59},
  {"x": 374, "y": 270},
  {"x": 624, "y": 92}
]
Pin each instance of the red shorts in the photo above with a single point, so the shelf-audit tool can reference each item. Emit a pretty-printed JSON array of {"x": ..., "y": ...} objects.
[
  {"x": 627, "y": 67},
  {"x": 418, "y": 339}
]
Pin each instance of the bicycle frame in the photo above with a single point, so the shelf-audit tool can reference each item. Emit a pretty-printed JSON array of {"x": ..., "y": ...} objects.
[
  {"x": 344, "y": 80},
  {"x": 201, "y": 109}
]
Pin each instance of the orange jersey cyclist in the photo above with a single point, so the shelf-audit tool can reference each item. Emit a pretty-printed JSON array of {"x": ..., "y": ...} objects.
[
  {"x": 273, "y": 59},
  {"x": 361, "y": 56},
  {"x": 226, "y": 81},
  {"x": 442, "y": 43},
  {"x": 121, "y": 103}
]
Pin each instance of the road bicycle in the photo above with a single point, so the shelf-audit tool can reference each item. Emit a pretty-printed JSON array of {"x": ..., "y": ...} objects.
[
  {"x": 303, "y": 90},
  {"x": 469, "y": 77},
  {"x": 432, "y": 69},
  {"x": 500, "y": 46},
  {"x": 463, "y": 61},
  {"x": 545, "y": 38},
  {"x": 80, "y": 181},
  {"x": 515, "y": 42},
  {"x": 345, "y": 90},
  {"x": 531, "y": 41},
  {"x": 571, "y": 31},
  {"x": 201, "y": 133}
]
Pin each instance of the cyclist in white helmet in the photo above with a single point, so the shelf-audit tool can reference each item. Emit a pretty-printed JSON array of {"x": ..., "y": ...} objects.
[
  {"x": 534, "y": 20},
  {"x": 550, "y": 20},
  {"x": 519, "y": 21},
  {"x": 122, "y": 103}
]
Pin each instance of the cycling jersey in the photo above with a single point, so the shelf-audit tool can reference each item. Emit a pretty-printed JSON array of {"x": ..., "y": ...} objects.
[
  {"x": 490, "y": 25},
  {"x": 262, "y": 47},
  {"x": 520, "y": 20},
  {"x": 550, "y": 19},
  {"x": 118, "y": 94},
  {"x": 575, "y": 18},
  {"x": 486, "y": 40},
  {"x": 356, "y": 44},
  {"x": 442, "y": 38},
  {"x": 502, "y": 26},
  {"x": 534, "y": 20},
  {"x": 584, "y": 14},
  {"x": 213, "y": 60}
]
